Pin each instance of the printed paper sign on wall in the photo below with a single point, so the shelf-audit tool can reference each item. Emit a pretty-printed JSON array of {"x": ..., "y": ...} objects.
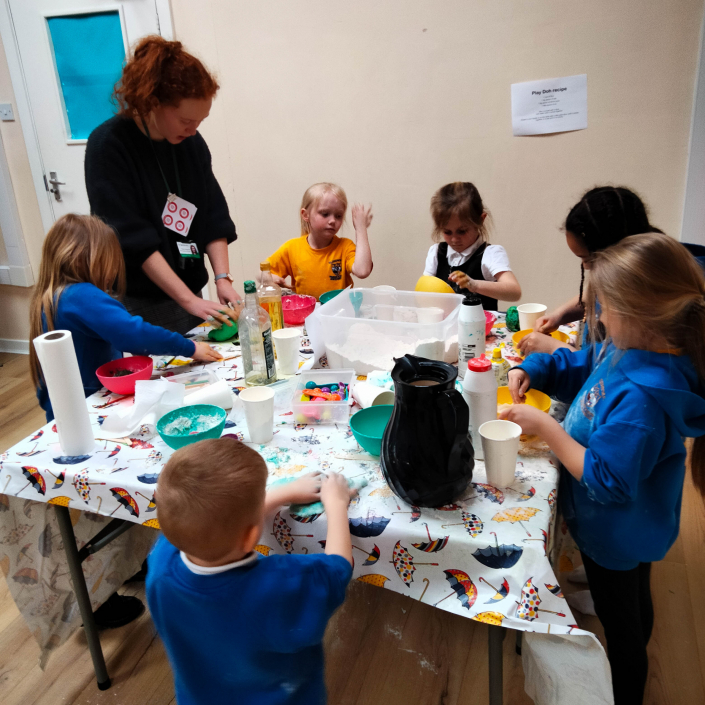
[{"x": 551, "y": 105}]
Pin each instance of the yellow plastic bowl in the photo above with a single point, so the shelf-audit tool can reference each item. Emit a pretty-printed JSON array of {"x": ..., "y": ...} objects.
[
  {"x": 433, "y": 285},
  {"x": 533, "y": 398},
  {"x": 557, "y": 334}
]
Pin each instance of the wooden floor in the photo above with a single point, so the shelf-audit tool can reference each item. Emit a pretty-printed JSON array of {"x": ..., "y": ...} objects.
[{"x": 381, "y": 647}]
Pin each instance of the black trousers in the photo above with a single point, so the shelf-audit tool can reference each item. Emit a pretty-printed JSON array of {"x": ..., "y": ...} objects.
[{"x": 623, "y": 604}]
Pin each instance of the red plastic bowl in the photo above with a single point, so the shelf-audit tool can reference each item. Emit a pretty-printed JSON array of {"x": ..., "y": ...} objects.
[
  {"x": 297, "y": 308},
  {"x": 141, "y": 367},
  {"x": 490, "y": 318}
]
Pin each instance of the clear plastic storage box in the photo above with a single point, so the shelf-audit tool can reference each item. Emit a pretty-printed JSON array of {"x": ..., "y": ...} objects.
[
  {"x": 322, "y": 412},
  {"x": 365, "y": 329}
]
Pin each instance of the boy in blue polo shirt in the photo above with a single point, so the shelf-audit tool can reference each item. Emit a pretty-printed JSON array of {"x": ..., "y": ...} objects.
[{"x": 238, "y": 627}]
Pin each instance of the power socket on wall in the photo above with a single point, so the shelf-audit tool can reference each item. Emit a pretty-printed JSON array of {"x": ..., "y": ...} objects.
[{"x": 6, "y": 113}]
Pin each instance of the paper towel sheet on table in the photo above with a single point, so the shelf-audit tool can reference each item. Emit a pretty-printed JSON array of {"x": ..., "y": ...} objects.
[{"x": 559, "y": 670}]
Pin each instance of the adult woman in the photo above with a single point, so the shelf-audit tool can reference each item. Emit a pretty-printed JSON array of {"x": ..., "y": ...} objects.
[
  {"x": 601, "y": 218},
  {"x": 137, "y": 162}
]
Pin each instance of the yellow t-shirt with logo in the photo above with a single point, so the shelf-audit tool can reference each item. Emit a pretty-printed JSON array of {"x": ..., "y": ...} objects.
[{"x": 314, "y": 272}]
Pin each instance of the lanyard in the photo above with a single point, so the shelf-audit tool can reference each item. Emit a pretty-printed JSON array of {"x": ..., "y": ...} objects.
[{"x": 161, "y": 171}]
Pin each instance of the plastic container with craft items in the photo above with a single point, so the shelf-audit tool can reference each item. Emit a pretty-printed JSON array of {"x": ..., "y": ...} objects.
[
  {"x": 323, "y": 411},
  {"x": 366, "y": 333}
]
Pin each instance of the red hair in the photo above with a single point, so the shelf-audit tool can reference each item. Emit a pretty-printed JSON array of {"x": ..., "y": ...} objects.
[{"x": 161, "y": 73}]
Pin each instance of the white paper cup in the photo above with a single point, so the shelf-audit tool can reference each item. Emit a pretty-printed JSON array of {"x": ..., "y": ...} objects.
[
  {"x": 528, "y": 314},
  {"x": 258, "y": 403},
  {"x": 287, "y": 342},
  {"x": 430, "y": 314},
  {"x": 366, "y": 395},
  {"x": 500, "y": 446}
]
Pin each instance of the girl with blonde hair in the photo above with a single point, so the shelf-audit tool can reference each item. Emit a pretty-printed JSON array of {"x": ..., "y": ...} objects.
[
  {"x": 81, "y": 266},
  {"x": 319, "y": 260},
  {"x": 635, "y": 397}
]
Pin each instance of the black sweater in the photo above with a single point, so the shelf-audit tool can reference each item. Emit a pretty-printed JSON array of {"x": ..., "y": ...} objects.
[{"x": 126, "y": 189}]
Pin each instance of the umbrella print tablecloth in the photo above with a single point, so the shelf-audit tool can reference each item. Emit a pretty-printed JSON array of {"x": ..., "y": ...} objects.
[{"x": 484, "y": 557}]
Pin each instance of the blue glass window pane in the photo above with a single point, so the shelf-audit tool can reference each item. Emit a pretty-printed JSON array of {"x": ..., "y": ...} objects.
[{"x": 89, "y": 53}]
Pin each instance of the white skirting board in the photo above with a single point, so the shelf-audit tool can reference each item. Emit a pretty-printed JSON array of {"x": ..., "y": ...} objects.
[{"x": 14, "y": 346}]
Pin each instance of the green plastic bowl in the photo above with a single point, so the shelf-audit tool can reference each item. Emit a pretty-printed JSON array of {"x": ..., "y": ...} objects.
[
  {"x": 177, "y": 439},
  {"x": 368, "y": 426},
  {"x": 325, "y": 298}
]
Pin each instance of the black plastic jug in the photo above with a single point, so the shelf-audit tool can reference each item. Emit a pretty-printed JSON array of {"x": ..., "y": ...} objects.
[{"x": 427, "y": 454}]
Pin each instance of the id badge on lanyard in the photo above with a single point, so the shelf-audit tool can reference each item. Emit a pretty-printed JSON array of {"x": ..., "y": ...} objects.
[{"x": 178, "y": 213}]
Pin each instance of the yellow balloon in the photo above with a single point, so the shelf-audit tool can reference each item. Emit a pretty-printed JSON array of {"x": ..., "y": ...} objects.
[{"x": 433, "y": 285}]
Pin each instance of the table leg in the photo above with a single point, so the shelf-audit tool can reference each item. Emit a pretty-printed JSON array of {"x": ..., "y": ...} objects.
[
  {"x": 84, "y": 602},
  {"x": 496, "y": 637},
  {"x": 518, "y": 644}
]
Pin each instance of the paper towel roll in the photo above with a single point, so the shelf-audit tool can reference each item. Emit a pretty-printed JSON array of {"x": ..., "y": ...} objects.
[{"x": 63, "y": 380}]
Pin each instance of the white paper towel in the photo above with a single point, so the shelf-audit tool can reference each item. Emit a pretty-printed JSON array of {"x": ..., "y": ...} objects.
[
  {"x": 153, "y": 399},
  {"x": 217, "y": 394},
  {"x": 63, "y": 380}
]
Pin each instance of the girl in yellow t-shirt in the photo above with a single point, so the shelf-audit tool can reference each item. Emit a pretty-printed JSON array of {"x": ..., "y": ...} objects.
[{"x": 319, "y": 260}]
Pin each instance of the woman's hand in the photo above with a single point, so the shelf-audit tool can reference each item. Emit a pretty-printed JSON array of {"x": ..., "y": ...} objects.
[
  {"x": 463, "y": 280},
  {"x": 532, "y": 420},
  {"x": 519, "y": 383},
  {"x": 539, "y": 343},
  {"x": 228, "y": 295},
  {"x": 205, "y": 353},
  {"x": 361, "y": 216},
  {"x": 209, "y": 310}
]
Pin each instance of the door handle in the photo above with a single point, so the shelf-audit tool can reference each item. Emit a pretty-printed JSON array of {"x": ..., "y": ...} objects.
[{"x": 53, "y": 180}]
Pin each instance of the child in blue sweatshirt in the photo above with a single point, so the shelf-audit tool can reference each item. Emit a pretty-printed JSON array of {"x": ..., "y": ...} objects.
[
  {"x": 634, "y": 398},
  {"x": 81, "y": 263},
  {"x": 239, "y": 627}
]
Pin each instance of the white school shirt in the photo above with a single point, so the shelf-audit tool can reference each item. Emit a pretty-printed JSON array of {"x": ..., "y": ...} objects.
[
  {"x": 213, "y": 570},
  {"x": 494, "y": 260}
]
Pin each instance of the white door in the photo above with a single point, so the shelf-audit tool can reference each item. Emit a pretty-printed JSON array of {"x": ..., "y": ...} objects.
[{"x": 71, "y": 54}]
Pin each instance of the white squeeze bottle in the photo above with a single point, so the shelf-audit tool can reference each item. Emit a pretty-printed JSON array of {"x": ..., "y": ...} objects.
[
  {"x": 255, "y": 330},
  {"x": 471, "y": 332},
  {"x": 480, "y": 394}
]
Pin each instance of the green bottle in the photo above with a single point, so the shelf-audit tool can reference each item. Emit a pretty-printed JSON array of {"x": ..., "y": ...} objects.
[{"x": 255, "y": 330}]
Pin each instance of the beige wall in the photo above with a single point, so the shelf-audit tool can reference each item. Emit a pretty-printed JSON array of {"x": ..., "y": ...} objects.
[
  {"x": 14, "y": 301},
  {"x": 393, "y": 99}
]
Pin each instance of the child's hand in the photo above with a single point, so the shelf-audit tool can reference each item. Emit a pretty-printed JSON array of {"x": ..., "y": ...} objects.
[
  {"x": 463, "y": 280},
  {"x": 519, "y": 383},
  {"x": 546, "y": 324},
  {"x": 304, "y": 490},
  {"x": 531, "y": 419},
  {"x": 539, "y": 343},
  {"x": 281, "y": 281},
  {"x": 205, "y": 353},
  {"x": 361, "y": 216},
  {"x": 335, "y": 492}
]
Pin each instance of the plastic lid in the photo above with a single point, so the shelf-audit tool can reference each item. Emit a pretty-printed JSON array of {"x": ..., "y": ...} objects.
[
  {"x": 264, "y": 266},
  {"x": 479, "y": 364},
  {"x": 472, "y": 299},
  {"x": 250, "y": 287},
  {"x": 497, "y": 354}
]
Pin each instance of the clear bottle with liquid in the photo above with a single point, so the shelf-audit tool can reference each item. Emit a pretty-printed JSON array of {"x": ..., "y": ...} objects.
[
  {"x": 255, "y": 329},
  {"x": 270, "y": 296}
]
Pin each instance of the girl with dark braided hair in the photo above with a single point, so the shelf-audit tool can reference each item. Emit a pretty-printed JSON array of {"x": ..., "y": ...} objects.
[{"x": 604, "y": 216}]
